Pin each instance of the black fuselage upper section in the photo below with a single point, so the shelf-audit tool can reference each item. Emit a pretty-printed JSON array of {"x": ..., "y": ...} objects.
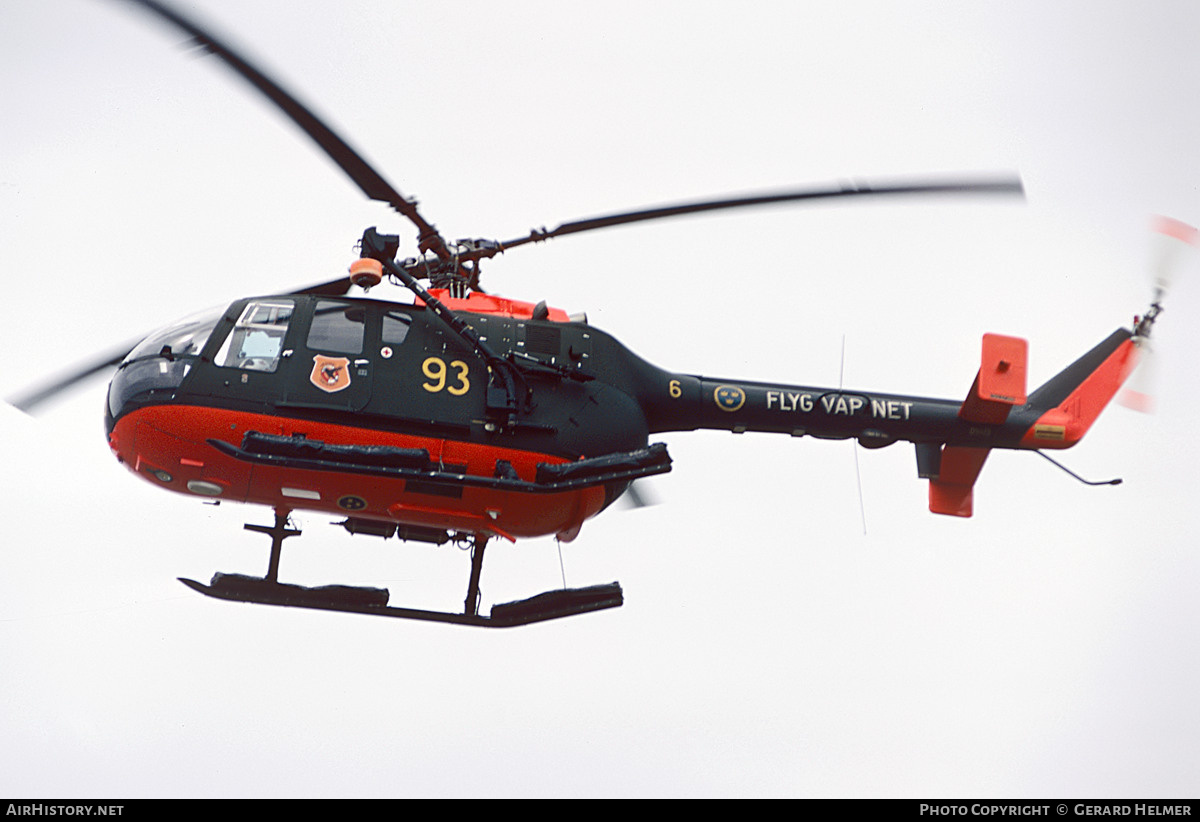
[{"x": 395, "y": 367}]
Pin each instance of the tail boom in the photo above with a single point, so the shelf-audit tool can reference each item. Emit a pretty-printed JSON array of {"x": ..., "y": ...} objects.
[{"x": 952, "y": 438}]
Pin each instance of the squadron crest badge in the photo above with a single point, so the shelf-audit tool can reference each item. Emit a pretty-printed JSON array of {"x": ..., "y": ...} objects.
[{"x": 330, "y": 373}]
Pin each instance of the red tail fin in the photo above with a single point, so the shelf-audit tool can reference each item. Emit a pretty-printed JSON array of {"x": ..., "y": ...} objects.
[
  {"x": 953, "y": 491},
  {"x": 1074, "y": 399},
  {"x": 999, "y": 385}
]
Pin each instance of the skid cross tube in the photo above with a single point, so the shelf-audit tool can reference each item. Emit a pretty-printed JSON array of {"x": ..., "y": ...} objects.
[
  {"x": 278, "y": 533},
  {"x": 471, "y": 604}
]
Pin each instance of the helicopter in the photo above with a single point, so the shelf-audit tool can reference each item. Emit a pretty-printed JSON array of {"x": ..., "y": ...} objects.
[{"x": 466, "y": 417}]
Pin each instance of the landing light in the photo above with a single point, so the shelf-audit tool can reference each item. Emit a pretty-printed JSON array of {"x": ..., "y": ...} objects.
[{"x": 207, "y": 489}]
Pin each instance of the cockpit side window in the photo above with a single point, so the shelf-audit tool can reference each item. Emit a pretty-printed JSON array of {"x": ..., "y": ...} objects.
[
  {"x": 337, "y": 327},
  {"x": 256, "y": 341},
  {"x": 395, "y": 327}
]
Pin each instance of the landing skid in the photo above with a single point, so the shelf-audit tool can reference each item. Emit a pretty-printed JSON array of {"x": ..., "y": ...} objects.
[
  {"x": 551, "y": 605},
  {"x": 373, "y": 601}
]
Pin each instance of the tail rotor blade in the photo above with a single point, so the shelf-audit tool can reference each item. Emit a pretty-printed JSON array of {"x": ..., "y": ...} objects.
[
  {"x": 1174, "y": 238},
  {"x": 1138, "y": 393}
]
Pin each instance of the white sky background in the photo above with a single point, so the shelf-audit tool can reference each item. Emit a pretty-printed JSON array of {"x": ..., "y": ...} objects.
[{"x": 1045, "y": 647}]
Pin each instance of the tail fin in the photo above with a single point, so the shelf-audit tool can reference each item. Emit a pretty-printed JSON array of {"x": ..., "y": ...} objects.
[
  {"x": 1065, "y": 408},
  {"x": 952, "y": 492},
  {"x": 999, "y": 386},
  {"x": 1071, "y": 401}
]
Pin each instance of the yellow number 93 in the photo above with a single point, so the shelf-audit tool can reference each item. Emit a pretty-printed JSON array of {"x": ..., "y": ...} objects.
[{"x": 435, "y": 369}]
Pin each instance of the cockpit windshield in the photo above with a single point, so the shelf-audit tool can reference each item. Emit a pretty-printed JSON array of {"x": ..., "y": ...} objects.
[
  {"x": 159, "y": 363},
  {"x": 184, "y": 338}
]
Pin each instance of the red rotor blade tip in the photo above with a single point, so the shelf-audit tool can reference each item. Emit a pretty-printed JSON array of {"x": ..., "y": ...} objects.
[{"x": 1179, "y": 230}]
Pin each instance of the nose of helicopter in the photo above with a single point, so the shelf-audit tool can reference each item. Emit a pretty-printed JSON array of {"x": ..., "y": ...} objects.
[
  {"x": 143, "y": 381},
  {"x": 157, "y": 365}
]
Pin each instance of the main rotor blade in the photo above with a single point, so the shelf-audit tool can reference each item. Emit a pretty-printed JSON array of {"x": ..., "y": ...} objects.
[
  {"x": 110, "y": 359},
  {"x": 637, "y": 496},
  {"x": 358, "y": 169},
  {"x": 1003, "y": 185}
]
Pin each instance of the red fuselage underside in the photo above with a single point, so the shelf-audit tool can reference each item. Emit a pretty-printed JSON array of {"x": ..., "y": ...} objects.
[{"x": 172, "y": 440}]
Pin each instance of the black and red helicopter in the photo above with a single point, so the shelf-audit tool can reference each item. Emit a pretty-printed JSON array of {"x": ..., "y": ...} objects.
[{"x": 464, "y": 416}]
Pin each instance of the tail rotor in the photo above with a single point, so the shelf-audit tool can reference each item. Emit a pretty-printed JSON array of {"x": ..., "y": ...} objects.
[{"x": 1174, "y": 239}]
